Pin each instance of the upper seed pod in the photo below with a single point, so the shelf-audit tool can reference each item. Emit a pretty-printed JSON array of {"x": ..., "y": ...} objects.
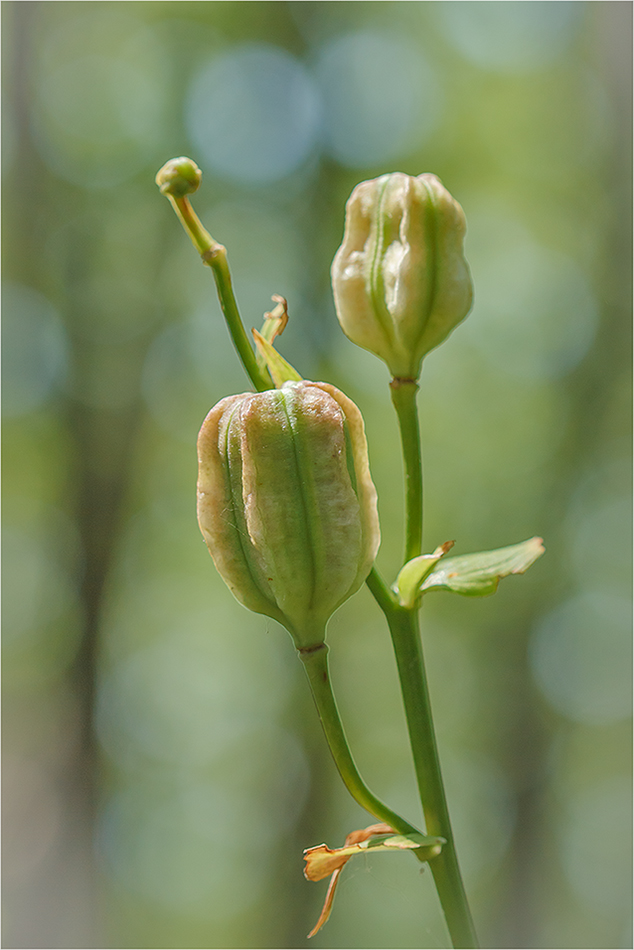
[
  {"x": 400, "y": 279},
  {"x": 286, "y": 503}
]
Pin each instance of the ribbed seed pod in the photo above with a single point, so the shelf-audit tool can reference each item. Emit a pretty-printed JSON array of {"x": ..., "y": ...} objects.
[
  {"x": 400, "y": 279},
  {"x": 286, "y": 503}
]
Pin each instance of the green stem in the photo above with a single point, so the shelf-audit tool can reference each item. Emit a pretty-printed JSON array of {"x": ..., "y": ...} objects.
[
  {"x": 215, "y": 256},
  {"x": 403, "y": 392},
  {"x": 316, "y": 665},
  {"x": 403, "y": 624},
  {"x": 411, "y": 668},
  {"x": 445, "y": 868}
]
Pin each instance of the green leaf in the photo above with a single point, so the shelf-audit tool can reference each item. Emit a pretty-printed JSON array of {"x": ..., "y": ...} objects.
[
  {"x": 281, "y": 371},
  {"x": 476, "y": 575},
  {"x": 413, "y": 573}
]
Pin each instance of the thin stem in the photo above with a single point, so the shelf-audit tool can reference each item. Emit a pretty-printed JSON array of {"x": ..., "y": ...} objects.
[
  {"x": 316, "y": 666},
  {"x": 403, "y": 392},
  {"x": 215, "y": 256}
]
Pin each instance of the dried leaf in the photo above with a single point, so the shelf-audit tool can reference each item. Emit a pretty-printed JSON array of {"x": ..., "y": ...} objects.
[
  {"x": 330, "y": 896},
  {"x": 322, "y": 861},
  {"x": 275, "y": 321}
]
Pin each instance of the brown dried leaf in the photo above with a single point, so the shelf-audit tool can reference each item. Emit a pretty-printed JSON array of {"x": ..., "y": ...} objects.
[{"x": 322, "y": 861}]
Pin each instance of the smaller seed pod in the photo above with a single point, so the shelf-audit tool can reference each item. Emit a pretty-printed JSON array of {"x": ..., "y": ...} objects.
[
  {"x": 286, "y": 503},
  {"x": 400, "y": 280}
]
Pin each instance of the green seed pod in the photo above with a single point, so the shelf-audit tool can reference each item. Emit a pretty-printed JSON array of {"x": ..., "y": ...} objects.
[
  {"x": 400, "y": 280},
  {"x": 286, "y": 503}
]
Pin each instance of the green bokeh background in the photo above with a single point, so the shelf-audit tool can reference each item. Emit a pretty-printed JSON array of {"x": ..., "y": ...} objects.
[{"x": 163, "y": 765}]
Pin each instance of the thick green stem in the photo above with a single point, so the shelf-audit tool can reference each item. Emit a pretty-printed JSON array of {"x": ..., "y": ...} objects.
[
  {"x": 409, "y": 657},
  {"x": 316, "y": 665},
  {"x": 403, "y": 392},
  {"x": 215, "y": 255}
]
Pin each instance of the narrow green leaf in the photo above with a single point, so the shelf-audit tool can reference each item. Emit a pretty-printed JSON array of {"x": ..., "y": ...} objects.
[
  {"x": 281, "y": 371},
  {"x": 413, "y": 573},
  {"x": 476, "y": 575}
]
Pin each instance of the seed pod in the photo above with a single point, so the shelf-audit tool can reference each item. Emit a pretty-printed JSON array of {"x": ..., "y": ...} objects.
[
  {"x": 400, "y": 279},
  {"x": 286, "y": 503}
]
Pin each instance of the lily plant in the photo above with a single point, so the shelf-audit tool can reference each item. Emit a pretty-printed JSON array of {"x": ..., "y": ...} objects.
[{"x": 286, "y": 502}]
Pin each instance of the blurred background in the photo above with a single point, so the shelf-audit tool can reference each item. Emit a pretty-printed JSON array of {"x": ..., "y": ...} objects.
[{"x": 163, "y": 765}]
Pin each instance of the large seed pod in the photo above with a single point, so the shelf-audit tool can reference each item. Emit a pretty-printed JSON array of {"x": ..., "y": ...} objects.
[{"x": 286, "y": 503}]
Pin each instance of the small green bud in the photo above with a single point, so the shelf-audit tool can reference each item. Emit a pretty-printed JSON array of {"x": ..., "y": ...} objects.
[
  {"x": 179, "y": 177},
  {"x": 286, "y": 503},
  {"x": 400, "y": 280}
]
